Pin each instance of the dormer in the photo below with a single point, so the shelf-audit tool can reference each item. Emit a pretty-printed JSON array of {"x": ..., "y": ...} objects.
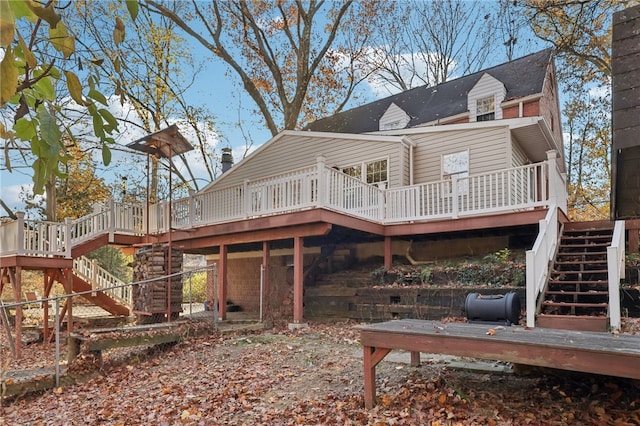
[
  {"x": 485, "y": 98},
  {"x": 394, "y": 118}
]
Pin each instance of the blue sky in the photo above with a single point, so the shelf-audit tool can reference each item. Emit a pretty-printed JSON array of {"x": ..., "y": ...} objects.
[{"x": 213, "y": 88}]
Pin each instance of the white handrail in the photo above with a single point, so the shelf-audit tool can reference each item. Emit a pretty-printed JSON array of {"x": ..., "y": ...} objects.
[
  {"x": 537, "y": 261},
  {"x": 317, "y": 186},
  {"x": 615, "y": 266},
  {"x": 100, "y": 279}
]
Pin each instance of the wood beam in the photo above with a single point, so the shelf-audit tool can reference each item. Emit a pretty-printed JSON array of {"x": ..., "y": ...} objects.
[
  {"x": 265, "y": 279},
  {"x": 222, "y": 282},
  {"x": 388, "y": 255},
  {"x": 298, "y": 280}
]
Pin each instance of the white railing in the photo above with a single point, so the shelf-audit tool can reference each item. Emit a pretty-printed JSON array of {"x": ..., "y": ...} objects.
[
  {"x": 615, "y": 266},
  {"x": 101, "y": 279},
  {"x": 517, "y": 188},
  {"x": 316, "y": 186},
  {"x": 537, "y": 261}
]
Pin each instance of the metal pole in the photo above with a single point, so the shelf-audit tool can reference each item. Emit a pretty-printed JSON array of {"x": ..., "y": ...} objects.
[
  {"x": 190, "y": 295},
  {"x": 57, "y": 319}
]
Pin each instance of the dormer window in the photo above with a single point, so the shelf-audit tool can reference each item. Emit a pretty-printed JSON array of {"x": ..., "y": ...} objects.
[{"x": 486, "y": 109}]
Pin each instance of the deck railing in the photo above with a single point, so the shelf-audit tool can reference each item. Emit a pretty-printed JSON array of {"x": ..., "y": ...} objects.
[
  {"x": 616, "y": 269},
  {"x": 511, "y": 189},
  {"x": 537, "y": 261},
  {"x": 317, "y": 186},
  {"x": 101, "y": 279}
]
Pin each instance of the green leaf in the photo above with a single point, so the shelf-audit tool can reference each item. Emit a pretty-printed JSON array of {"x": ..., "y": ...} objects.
[
  {"x": 39, "y": 176},
  {"x": 49, "y": 129},
  {"x": 106, "y": 154},
  {"x": 22, "y": 10},
  {"x": 61, "y": 40},
  {"x": 7, "y": 25},
  {"x": 74, "y": 86},
  {"x": 132, "y": 7},
  {"x": 95, "y": 95},
  {"x": 44, "y": 87},
  {"x": 109, "y": 118},
  {"x": 29, "y": 57},
  {"x": 9, "y": 74},
  {"x": 116, "y": 65},
  {"x": 25, "y": 129},
  {"x": 47, "y": 13}
]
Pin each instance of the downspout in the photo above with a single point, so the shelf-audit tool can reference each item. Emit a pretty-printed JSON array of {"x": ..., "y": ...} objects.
[{"x": 411, "y": 144}]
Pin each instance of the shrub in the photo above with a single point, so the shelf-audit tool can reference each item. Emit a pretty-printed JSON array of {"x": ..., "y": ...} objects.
[{"x": 198, "y": 282}]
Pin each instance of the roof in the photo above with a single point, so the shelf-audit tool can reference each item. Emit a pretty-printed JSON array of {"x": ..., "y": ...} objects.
[{"x": 521, "y": 77}]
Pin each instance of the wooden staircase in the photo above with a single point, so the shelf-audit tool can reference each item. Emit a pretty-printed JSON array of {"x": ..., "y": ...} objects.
[{"x": 577, "y": 293}]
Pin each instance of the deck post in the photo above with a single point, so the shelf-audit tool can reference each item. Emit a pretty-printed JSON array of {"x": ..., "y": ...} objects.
[
  {"x": 298, "y": 278},
  {"x": 388, "y": 255},
  {"x": 322, "y": 188},
  {"x": 20, "y": 236},
  {"x": 222, "y": 283},
  {"x": 264, "y": 297}
]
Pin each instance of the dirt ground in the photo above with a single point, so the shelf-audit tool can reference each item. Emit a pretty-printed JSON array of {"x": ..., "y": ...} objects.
[{"x": 314, "y": 376}]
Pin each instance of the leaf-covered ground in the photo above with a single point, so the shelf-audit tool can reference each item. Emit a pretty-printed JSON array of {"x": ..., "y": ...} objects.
[{"x": 314, "y": 376}]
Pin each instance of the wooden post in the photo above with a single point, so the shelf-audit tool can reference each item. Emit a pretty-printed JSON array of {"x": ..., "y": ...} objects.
[
  {"x": 388, "y": 255},
  {"x": 222, "y": 282},
  {"x": 298, "y": 279},
  {"x": 415, "y": 359},
  {"x": 68, "y": 286},
  {"x": 17, "y": 295},
  {"x": 265, "y": 278}
]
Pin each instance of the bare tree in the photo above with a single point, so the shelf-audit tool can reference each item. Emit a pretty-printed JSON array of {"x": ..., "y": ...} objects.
[
  {"x": 290, "y": 56},
  {"x": 426, "y": 43}
]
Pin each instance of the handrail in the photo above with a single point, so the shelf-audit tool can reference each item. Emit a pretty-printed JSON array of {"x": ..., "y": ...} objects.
[
  {"x": 317, "y": 186},
  {"x": 616, "y": 269},
  {"x": 537, "y": 261},
  {"x": 101, "y": 279}
]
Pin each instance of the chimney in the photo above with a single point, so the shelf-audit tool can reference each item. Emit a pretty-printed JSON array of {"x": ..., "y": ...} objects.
[{"x": 227, "y": 159}]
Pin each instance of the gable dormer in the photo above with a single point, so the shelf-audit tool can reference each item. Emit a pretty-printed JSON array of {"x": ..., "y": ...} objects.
[
  {"x": 394, "y": 118},
  {"x": 484, "y": 99}
]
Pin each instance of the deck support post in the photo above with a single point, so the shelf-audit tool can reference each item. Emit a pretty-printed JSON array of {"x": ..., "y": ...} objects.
[
  {"x": 388, "y": 255},
  {"x": 264, "y": 297},
  {"x": 372, "y": 357},
  {"x": 222, "y": 282},
  {"x": 298, "y": 280},
  {"x": 15, "y": 277}
]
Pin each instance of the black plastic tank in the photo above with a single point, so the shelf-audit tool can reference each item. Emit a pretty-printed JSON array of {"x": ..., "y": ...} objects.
[{"x": 494, "y": 308}]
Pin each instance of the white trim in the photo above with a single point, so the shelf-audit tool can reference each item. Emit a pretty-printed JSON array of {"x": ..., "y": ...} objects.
[{"x": 524, "y": 99}]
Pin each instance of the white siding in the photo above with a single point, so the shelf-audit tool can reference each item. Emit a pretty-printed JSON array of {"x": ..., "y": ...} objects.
[
  {"x": 486, "y": 151},
  {"x": 485, "y": 87},
  {"x": 393, "y": 118},
  {"x": 519, "y": 157},
  {"x": 294, "y": 152}
]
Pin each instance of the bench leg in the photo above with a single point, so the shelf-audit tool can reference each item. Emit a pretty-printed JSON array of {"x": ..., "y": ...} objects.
[
  {"x": 372, "y": 356},
  {"x": 73, "y": 349},
  {"x": 415, "y": 359}
]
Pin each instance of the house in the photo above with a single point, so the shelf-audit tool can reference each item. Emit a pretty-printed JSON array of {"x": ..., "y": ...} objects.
[{"x": 475, "y": 164}]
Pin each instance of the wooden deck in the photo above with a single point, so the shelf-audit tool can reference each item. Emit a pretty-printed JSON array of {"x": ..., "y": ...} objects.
[{"x": 590, "y": 352}]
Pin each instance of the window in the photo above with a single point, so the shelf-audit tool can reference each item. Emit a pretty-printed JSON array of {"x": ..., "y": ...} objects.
[
  {"x": 456, "y": 164},
  {"x": 485, "y": 109},
  {"x": 372, "y": 172}
]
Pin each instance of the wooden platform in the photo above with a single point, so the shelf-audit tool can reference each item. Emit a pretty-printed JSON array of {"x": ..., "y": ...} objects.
[{"x": 590, "y": 352}]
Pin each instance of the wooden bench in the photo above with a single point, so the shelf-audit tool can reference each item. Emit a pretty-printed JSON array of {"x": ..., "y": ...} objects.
[
  {"x": 97, "y": 340},
  {"x": 590, "y": 352}
]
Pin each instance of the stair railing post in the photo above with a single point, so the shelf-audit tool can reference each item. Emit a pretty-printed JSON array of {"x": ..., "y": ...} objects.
[
  {"x": 20, "y": 233},
  {"x": 94, "y": 276},
  {"x": 67, "y": 234}
]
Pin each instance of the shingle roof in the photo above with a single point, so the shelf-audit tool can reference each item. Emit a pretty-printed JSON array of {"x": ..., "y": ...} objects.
[{"x": 521, "y": 77}]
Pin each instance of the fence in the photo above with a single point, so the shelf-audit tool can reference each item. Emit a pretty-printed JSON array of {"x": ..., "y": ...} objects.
[{"x": 44, "y": 333}]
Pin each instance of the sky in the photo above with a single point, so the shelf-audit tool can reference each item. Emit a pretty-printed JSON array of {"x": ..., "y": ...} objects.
[{"x": 214, "y": 89}]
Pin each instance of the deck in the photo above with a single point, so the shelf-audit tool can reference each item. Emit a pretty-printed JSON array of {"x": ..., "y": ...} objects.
[{"x": 589, "y": 352}]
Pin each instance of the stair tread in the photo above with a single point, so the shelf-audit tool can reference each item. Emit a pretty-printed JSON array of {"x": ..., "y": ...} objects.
[
  {"x": 589, "y": 253},
  {"x": 578, "y": 293},
  {"x": 583, "y": 271},
  {"x": 575, "y": 304},
  {"x": 552, "y": 281}
]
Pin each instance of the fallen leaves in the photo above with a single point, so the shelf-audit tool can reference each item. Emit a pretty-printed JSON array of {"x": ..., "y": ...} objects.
[{"x": 314, "y": 376}]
